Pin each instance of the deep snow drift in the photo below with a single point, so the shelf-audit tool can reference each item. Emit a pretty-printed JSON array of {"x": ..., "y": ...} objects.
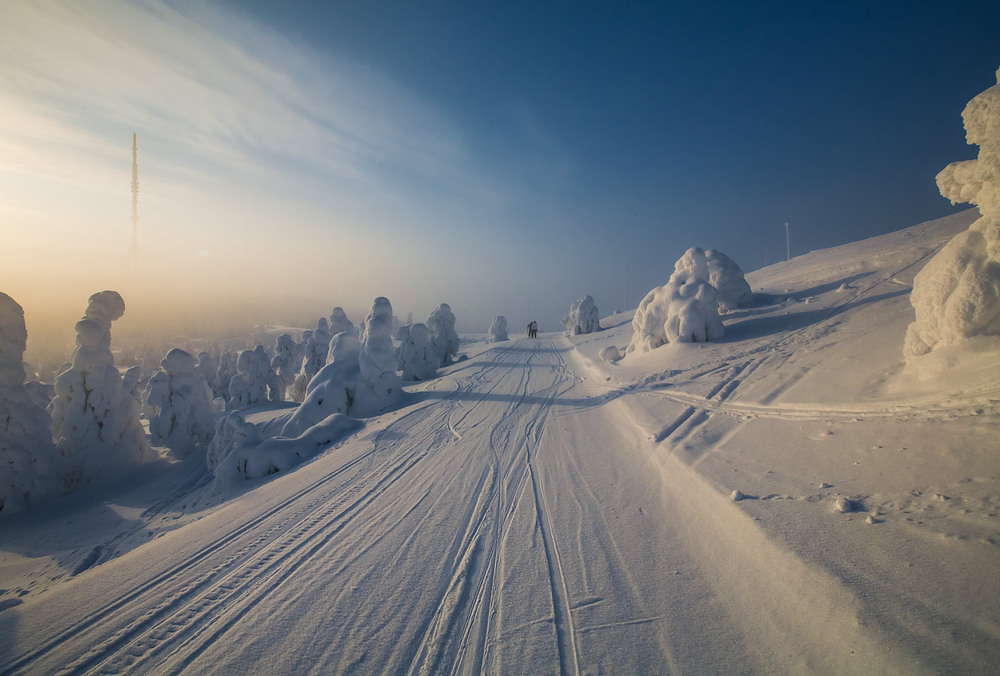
[{"x": 792, "y": 497}]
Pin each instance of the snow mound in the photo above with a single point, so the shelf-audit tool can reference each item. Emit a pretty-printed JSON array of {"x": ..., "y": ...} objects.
[
  {"x": 28, "y": 459},
  {"x": 95, "y": 422},
  {"x": 728, "y": 279},
  {"x": 582, "y": 318},
  {"x": 956, "y": 296},
  {"x": 684, "y": 310},
  {"x": 498, "y": 329},
  {"x": 179, "y": 404},
  {"x": 254, "y": 459}
]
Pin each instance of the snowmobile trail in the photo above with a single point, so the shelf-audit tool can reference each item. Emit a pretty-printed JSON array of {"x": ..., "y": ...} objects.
[{"x": 509, "y": 521}]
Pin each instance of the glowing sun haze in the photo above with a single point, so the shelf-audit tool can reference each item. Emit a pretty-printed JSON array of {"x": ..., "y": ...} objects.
[
  {"x": 504, "y": 158},
  {"x": 265, "y": 168}
]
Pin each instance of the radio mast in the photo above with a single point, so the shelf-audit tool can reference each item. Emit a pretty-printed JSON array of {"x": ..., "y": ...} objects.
[{"x": 135, "y": 201}]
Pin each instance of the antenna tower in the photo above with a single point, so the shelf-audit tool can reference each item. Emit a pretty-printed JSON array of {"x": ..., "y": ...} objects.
[{"x": 135, "y": 201}]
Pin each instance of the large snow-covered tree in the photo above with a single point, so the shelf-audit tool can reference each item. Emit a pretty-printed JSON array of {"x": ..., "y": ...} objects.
[
  {"x": 444, "y": 338},
  {"x": 416, "y": 357},
  {"x": 95, "y": 423},
  {"x": 956, "y": 296},
  {"x": 498, "y": 329},
  {"x": 582, "y": 318},
  {"x": 28, "y": 459},
  {"x": 684, "y": 310},
  {"x": 179, "y": 404}
]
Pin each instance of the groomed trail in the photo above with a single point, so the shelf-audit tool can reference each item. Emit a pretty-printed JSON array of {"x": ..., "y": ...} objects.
[{"x": 510, "y": 520}]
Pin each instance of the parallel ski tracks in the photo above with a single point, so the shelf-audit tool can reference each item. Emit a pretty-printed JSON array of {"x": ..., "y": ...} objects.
[{"x": 129, "y": 645}]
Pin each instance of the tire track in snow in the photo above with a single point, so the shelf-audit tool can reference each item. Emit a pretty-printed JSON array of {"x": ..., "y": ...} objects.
[{"x": 116, "y": 627}]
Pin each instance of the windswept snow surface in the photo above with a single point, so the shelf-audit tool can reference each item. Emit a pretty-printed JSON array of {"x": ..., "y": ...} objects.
[{"x": 536, "y": 509}]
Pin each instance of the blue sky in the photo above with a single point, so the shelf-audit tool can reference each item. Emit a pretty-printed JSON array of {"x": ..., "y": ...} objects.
[{"x": 506, "y": 158}]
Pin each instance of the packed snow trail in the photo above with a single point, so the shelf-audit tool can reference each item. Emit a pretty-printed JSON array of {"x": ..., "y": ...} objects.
[{"x": 512, "y": 520}]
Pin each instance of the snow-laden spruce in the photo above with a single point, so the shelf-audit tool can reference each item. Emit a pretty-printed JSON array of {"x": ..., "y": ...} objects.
[
  {"x": 28, "y": 459},
  {"x": 316, "y": 348},
  {"x": 95, "y": 423},
  {"x": 208, "y": 367},
  {"x": 255, "y": 382},
  {"x": 285, "y": 363},
  {"x": 360, "y": 379},
  {"x": 956, "y": 296},
  {"x": 333, "y": 389},
  {"x": 682, "y": 311},
  {"x": 339, "y": 323},
  {"x": 441, "y": 324},
  {"x": 224, "y": 375},
  {"x": 379, "y": 387},
  {"x": 231, "y": 430},
  {"x": 179, "y": 404},
  {"x": 415, "y": 356},
  {"x": 582, "y": 318},
  {"x": 498, "y": 329},
  {"x": 727, "y": 277}
]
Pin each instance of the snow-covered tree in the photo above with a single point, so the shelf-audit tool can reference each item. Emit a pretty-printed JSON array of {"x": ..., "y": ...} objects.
[
  {"x": 684, "y": 310},
  {"x": 208, "y": 367},
  {"x": 284, "y": 362},
  {"x": 225, "y": 374},
  {"x": 179, "y": 404},
  {"x": 232, "y": 430},
  {"x": 28, "y": 459},
  {"x": 728, "y": 279},
  {"x": 956, "y": 296},
  {"x": 132, "y": 383},
  {"x": 444, "y": 339},
  {"x": 340, "y": 323},
  {"x": 316, "y": 348},
  {"x": 582, "y": 317},
  {"x": 498, "y": 329},
  {"x": 253, "y": 380},
  {"x": 416, "y": 358},
  {"x": 379, "y": 387},
  {"x": 95, "y": 423},
  {"x": 333, "y": 389}
]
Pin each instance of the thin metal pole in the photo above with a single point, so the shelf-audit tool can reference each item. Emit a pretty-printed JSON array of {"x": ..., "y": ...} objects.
[
  {"x": 788, "y": 243},
  {"x": 135, "y": 200}
]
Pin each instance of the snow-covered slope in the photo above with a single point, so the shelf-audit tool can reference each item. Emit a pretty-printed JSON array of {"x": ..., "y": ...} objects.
[{"x": 538, "y": 510}]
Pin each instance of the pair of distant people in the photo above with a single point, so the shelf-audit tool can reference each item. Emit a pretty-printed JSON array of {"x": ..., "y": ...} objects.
[{"x": 532, "y": 329}]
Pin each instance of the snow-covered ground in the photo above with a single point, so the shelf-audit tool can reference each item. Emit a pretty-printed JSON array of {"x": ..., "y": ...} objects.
[{"x": 536, "y": 509}]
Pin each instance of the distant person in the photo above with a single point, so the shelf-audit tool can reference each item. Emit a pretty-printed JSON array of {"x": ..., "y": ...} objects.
[
  {"x": 527, "y": 331},
  {"x": 533, "y": 329}
]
